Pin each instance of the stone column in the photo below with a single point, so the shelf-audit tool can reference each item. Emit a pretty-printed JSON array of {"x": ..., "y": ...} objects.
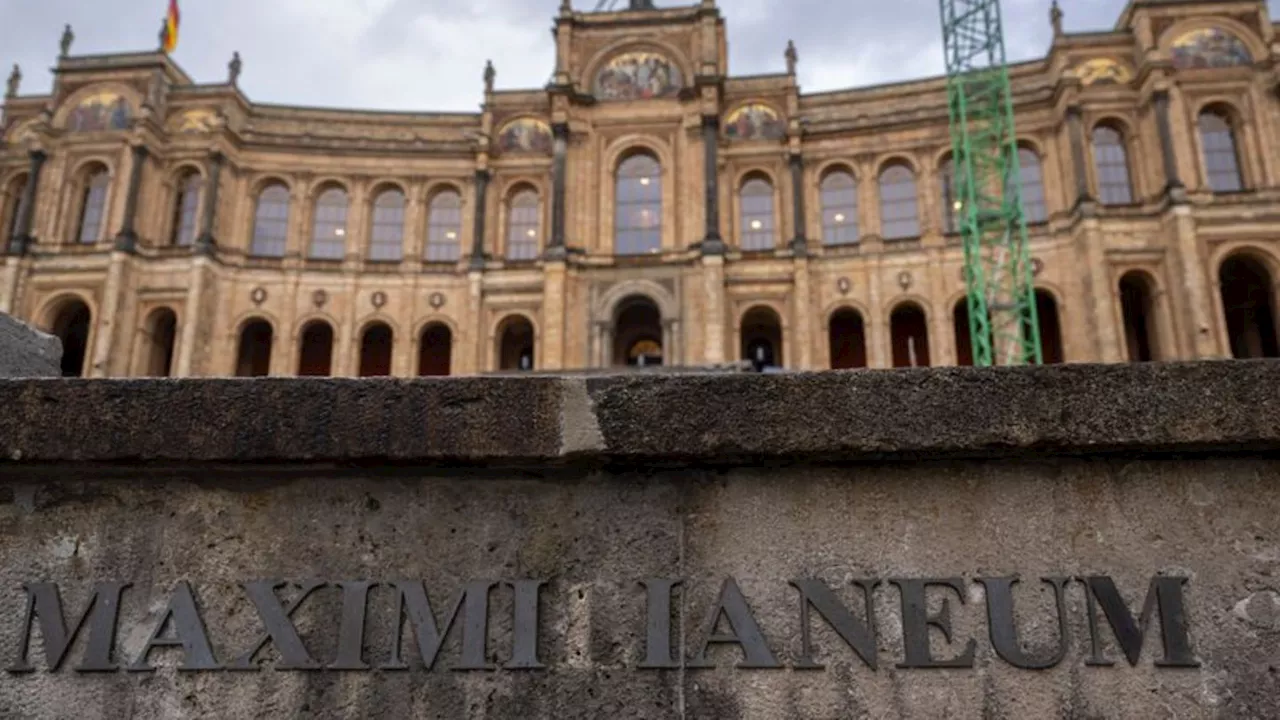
[
  {"x": 553, "y": 305},
  {"x": 559, "y": 163},
  {"x": 1173, "y": 183},
  {"x": 1197, "y": 284},
  {"x": 713, "y": 288},
  {"x": 801, "y": 355},
  {"x": 474, "y": 332},
  {"x": 127, "y": 238},
  {"x": 191, "y": 316},
  {"x": 109, "y": 316},
  {"x": 205, "y": 242},
  {"x": 477, "y": 239},
  {"x": 712, "y": 243},
  {"x": 1076, "y": 131},
  {"x": 20, "y": 244},
  {"x": 799, "y": 243}
]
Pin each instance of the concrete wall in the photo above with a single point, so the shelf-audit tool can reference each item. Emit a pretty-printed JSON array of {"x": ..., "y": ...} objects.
[{"x": 594, "y": 486}]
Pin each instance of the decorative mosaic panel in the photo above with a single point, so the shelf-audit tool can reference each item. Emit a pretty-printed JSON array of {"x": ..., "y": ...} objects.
[
  {"x": 637, "y": 76},
  {"x": 525, "y": 135},
  {"x": 101, "y": 111},
  {"x": 756, "y": 121},
  {"x": 1209, "y": 48}
]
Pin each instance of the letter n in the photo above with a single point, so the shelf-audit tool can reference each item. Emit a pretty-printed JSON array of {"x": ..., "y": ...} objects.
[
  {"x": 101, "y": 613},
  {"x": 1164, "y": 595}
]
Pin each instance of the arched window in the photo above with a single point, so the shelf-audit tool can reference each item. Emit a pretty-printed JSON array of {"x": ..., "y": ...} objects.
[
  {"x": 375, "y": 350},
  {"x": 271, "y": 222},
  {"x": 253, "y": 358},
  {"x": 158, "y": 339},
  {"x": 329, "y": 226},
  {"x": 637, "y": 332},
  {"x": 185, "y": 206},
  {"x": 1050, "y": 328},
  {"x": 1034, "y": 208},
  {"x": 755, "y": 201},
  {"x": 839, "y": 194},
  {"x": 15, "y": 203},
  {"x": 93, "y": 205},
  {"x": 1221, "y": 156},
  {"x": 950, "y": 213},
  {"x": 386, "y": 229},
  {"x": 315, "y": 354},
  {"x": 963, "y": 333},
  {"x": 638, "y": 206},
  {"x": 435, "y": 350},
  {"x": 444, "y": 227},
  {"x": 523, "y": 223},
  {"x": 1111, "y": 163},
  {"x": 72, "y": 325},
  {"x": 899, "y": 211}
]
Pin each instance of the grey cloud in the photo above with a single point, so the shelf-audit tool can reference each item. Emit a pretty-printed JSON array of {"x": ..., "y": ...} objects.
[{"x": 428, "y": 54}]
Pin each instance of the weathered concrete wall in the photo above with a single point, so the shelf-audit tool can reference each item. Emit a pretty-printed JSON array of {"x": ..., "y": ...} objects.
[
  {"x": 598, "y": 494},
  {"x": 27, "y": 352}
]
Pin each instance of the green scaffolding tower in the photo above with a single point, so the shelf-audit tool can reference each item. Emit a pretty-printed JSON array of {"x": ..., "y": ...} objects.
[{"x": 987, "y": 187}]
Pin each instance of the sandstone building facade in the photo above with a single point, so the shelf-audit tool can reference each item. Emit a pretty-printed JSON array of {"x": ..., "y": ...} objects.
[{"x": 646, "y": 206}]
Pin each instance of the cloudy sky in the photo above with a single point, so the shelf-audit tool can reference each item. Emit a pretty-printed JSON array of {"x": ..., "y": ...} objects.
[{"x": 428, "y": 54}]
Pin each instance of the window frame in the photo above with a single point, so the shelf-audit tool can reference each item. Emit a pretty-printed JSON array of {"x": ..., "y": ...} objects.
[{"x": 632, "y": 194}]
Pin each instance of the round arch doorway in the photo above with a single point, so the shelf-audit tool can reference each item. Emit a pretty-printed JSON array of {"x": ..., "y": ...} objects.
[{"x": 637, "y": 334}]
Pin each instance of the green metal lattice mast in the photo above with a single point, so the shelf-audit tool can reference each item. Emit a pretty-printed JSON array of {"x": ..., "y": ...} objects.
[{"x": 988, "y": 190}]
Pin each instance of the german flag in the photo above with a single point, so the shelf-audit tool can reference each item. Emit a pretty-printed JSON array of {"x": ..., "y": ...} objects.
[{"x": 171, "y": 27}]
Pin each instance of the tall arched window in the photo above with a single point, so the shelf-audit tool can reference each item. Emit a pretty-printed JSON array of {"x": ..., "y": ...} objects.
[
  {"x": 899, "y": 211},
  {"x": 185, "y": 206},
  {"x": 329, "y": 227},
  {"x": 444, "y": 227},
  {"x": 755, "y": 202},
  {"x": 15, "y": 203},
  {"x": 93, "y": 205},
  {"x": 839, "y": 194},
  {"x": 159, "y": 335},
  {"x": 271, "y": 222},
  {"x": 1034, "y": 208},
  {"x": 522, "y": 225},
  {"x": 386, "y": 229},
  {"x": 253, "y": 358},
  {"x": 950, "y": 213},
  {"x": 1221, "y": 156},
  {"x": 1111, "y": 163},
  {"x": 638, "y": 206},
  {"x": 315, "y": 353}
]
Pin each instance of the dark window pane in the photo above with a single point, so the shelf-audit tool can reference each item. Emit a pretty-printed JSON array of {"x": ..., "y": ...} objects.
[
  {"x": 1221, "y": 161},
  {"x": 950, "y": 214},
  {"x": 899, "y": 213},
  {"x": 839, "y": 195},
  {"x": 1034, "y": 207},
  {"x": 756, "y": 201},
  {"x": 444, "y": 227},
  {"x": 1111, "y": 162},
  {"x": 184, "y": 211},
  {"x": 386, "y": 233},
  {"x": 329, "y": 229},
  {"x": 638, "y": 206},
  {"x": 93, "y": 207},
  {"x": 522, "y": 226},
  {"x": 271, "y": 222}
]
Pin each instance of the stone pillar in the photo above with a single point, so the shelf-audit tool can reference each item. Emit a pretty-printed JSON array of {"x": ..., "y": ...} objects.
[
  {"x": 475, "y": 334},
  {"x": 712, "y": 243},
  {"x": 553, "y": 304},
  {"x": 127, "y": 238},
  {"x": 477, "y": 238},
  {"x": 27, "y": 206},
  {"x": 1076, "y": 131},
  {"x": 713, "y": 288},
  {"x": 799, "y": 243},
  {"x": 108, "y": 317},
  {"x": 1104, "y": 300},
  {"x": 205, "y": 242},
  {"x": 191, "y": 315},
  {"x": 802, "y": 307},
  {"x": 559, "y": 163},
  {"x": 1173, "y": 183},
  {"x": 1196, "y": 283}
]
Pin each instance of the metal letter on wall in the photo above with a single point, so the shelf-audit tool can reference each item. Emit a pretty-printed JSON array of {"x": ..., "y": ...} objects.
[
  {"x": 413, "y": 605},
  {"x": 916, "y": 621},
  {"x": 1164, "y": 594},
  {"x": 101, "y": 613},
  {"x": 1003, "y": 625},
  {"x": 280, "y": 631},
  {"x": 657, "y": 634},
  {"x": 188, "y": 634},
  {"x": 859, "y": 635},
  {"x": 744, "y": 631}
]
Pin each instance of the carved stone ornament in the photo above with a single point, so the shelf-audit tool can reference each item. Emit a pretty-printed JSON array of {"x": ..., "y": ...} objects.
[
  {"x": 436, "y": 300},
  {"x": 904, "y": 279},
  {"x": 319, "y": 298},
  {"x": 843, "y": 285},
  {"x": 1037, "y": 267},
  {"x": 378, "y": 299},
  {"x": 258, "y": 295}
]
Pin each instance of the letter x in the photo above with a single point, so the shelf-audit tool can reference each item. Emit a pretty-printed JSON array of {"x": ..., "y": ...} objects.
[{"x": 277, "y": 619}]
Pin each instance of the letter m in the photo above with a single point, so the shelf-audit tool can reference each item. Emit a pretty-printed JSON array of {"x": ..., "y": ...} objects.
[
  {"x": 1164, "y": 595},
  {"x": 101, "y": 614}
]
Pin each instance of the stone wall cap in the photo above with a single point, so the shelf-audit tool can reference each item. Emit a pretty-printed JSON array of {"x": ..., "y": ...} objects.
[{"x": 646, "y": 420}]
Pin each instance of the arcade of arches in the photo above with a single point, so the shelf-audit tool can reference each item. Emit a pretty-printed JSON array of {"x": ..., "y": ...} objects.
[{"x": 639, "y": 213}]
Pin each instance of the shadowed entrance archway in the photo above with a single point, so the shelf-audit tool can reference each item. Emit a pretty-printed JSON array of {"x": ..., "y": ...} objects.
[
  {"x": 315, "y": 355},
  {"x": 71, "y": 325},
  {"x": 435, "y": 350},
  {"x": 637, "y": 333},
  {"x": 253, "y": 359},
  {"x": 515, "y": 344},
  {"x": 1137, "y": 307},
  {"x": 1249, "y": 306},
  {"x": 159, "y": 335},
  {"x": 761, "y": 333},
  {"x": 375, "y": 350},
  {"x": 909, "y": 332},
  {"x": 847, "y": 339}
]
